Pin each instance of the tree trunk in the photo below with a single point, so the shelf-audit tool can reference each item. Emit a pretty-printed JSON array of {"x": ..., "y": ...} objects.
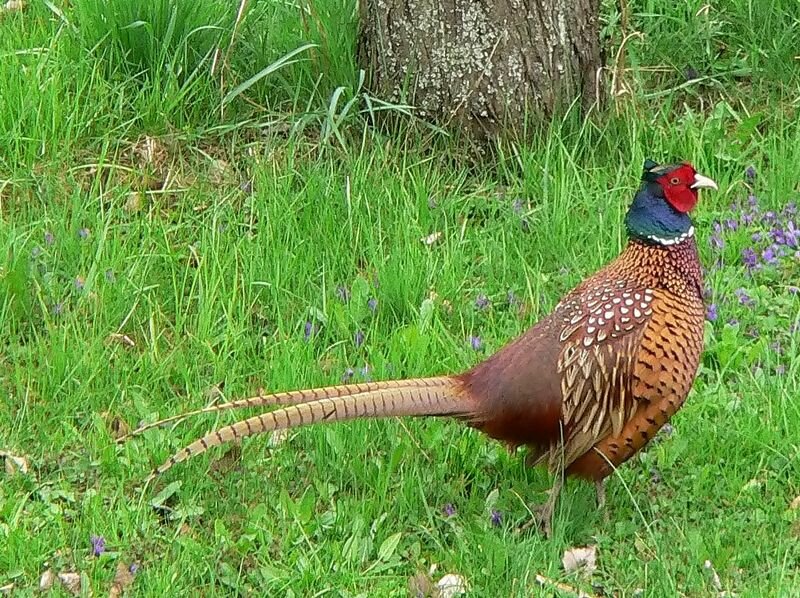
[{"x": 481, "y": 64}]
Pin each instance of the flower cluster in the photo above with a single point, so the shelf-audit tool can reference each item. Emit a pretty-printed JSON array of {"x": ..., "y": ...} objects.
[
  {"x": 772, "y": 237},
  {"x": 759, "y": 248}
]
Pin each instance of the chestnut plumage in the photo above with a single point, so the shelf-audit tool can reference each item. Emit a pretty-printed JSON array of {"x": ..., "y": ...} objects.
[{"x": 585, "y": 388}]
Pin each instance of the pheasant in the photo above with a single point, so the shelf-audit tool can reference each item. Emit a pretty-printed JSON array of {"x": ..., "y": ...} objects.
[{"x": 584, "y": 389}]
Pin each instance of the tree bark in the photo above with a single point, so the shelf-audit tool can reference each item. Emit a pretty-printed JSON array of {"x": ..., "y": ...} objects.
[{"x": 481, "y": 64}]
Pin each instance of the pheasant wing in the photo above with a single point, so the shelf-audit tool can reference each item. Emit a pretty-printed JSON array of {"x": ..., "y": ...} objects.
[{"x": 603, "y": 322}]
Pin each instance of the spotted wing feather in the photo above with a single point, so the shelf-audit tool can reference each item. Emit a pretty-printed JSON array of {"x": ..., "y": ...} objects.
[{"x": 603, "y": 322}]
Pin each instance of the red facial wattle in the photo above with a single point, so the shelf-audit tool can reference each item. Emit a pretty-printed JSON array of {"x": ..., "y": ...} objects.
[{"x": 677, "y": 185}]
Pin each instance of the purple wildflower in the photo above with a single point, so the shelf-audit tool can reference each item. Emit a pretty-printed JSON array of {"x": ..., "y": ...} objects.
[
  {"x": 731, "y": 224},
  {"x": 309, "y": 330},
  {"x": 790, "y": 209},
  {"x": 733, "y": 322},
  {"x": 58, "y": 309},
  {"x": 372, "y": 304},
  {"x": 49, "y": 239},
  {"x": 778, "y": 236},
  {"x": 348, "y": 374},
  {"x": 449, "y": 510},
  {"x": 757, "y": 237},
  {"x": 750, "y": 173},
  {"x": 711, "y": 312},
  {"x": 769, "y": 217},
  {"x": 752, "y": 201},
  {"x": 792, "y": 234},
  {"x": 747, "y": 219},
  {"x": 133, "y": 568},
  {"x": 358, "y": 339},
  {"x": 793, "y": 290},
  {"x": 343, "y": 293},
  {"x": 749, "y": 257},
  {"x": 743, "y": 296},
  {"x": 84, "y": 233},
  {"x": 476, "y": 343},
  {"x": 481, "y": 301},
  {"x": 98, "y": 545},
  {"x": 716, "y": 241},
  {"x": 768, "y": 255},
  {"x": 496, "y": 518}
]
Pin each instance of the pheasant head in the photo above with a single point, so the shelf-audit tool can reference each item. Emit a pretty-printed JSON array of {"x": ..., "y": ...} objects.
[{"x": 660, "y": 210}]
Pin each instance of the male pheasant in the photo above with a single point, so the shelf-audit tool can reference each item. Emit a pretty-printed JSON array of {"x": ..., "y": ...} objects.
[{"x": 585, "y": 388}]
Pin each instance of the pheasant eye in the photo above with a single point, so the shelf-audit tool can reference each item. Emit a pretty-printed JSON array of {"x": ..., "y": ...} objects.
[{"x": 674, "y": 180}]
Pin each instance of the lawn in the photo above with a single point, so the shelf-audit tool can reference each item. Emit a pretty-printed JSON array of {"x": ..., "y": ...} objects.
[{"x": 162, "y": 249}]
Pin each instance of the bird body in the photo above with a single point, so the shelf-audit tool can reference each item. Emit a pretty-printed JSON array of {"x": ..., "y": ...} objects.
[{"x": 585, "y": 388}]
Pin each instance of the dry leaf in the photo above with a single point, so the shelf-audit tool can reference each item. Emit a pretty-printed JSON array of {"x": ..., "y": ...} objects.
[
  {"x": 122, "y": 339},
  {"x": 71, "y": 581},
  {"x": 117, "y": 427},
  {"x": 583, "y": 558},
  {"x": 122, "y": 579},
  {"x": 420, "y": 585},
  {"x": 14, "y": 463},
  {"x": 46, "y": 580},
  {"x": 754, "y": 483},
  {"x": 134, "y": 202},
  {"x": 431, "y": 238},
  {"x": 451, "y": 585},
  {"x": 713, "y": 576},
  {"x": 7, "y": 589},
  {"x": 149, "y": 152},
  {"x": 562, "y": 587},
  {"x": 13, "y": 5},
  {"x": 795, "y": 504}
]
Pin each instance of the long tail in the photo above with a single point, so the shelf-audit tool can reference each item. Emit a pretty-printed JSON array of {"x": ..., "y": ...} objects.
[
  {"x": 425, "y": 396},
  {"x": 294, "y": 397}
]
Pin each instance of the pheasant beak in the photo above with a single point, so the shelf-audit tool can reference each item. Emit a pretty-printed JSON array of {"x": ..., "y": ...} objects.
[{"x": 703, "y": 182}]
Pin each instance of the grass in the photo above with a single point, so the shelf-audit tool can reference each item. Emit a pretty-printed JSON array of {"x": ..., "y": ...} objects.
[{"x": 131, "y": 206}]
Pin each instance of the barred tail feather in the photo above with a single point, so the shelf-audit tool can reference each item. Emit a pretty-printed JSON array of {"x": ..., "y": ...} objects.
[
  {"x": 430, "y": 396},
  {"x": 294, "y": 397}
]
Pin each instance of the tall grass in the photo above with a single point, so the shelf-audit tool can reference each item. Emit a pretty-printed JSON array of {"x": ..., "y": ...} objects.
[{"x": 158, "y": 253}]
